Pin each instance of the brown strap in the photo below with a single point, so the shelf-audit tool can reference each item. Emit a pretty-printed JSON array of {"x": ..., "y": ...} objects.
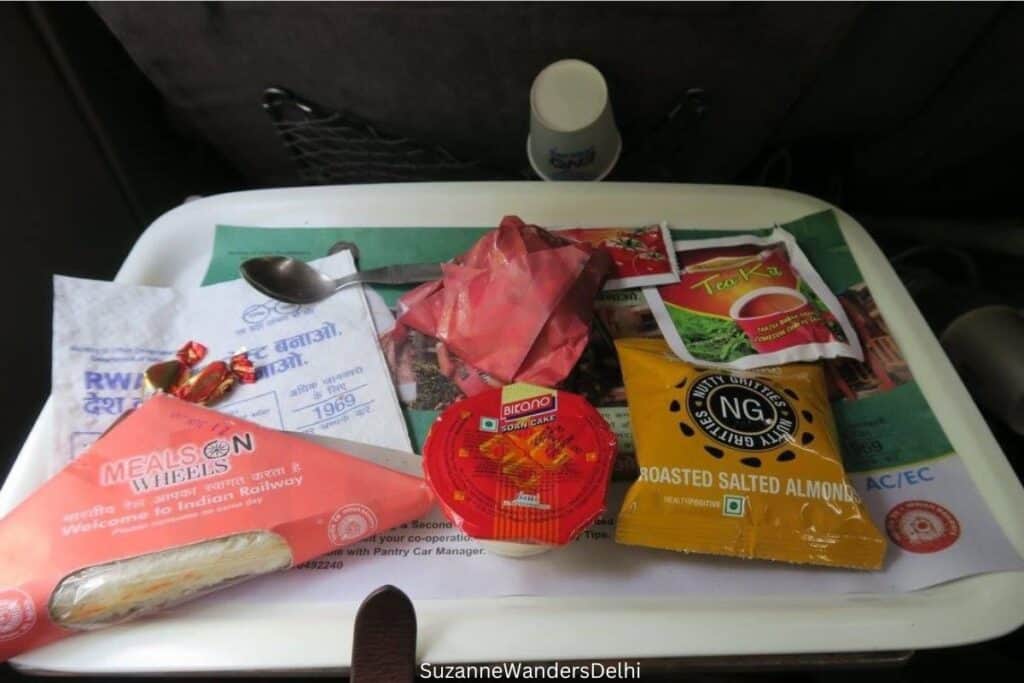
[{"x": 384, "y": 642}]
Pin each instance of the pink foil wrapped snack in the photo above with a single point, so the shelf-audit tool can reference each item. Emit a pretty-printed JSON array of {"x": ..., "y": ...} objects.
[{"x": 517, "y": 306}]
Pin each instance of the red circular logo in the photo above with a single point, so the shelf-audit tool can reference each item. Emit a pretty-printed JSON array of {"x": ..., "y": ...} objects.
[
  {"x": 351, "y": 523},
  {"x": 921, "y": 526},
  {"x": 17, "y": 613}
]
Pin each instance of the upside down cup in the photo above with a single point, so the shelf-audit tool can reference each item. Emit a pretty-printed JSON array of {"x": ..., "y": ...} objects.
[
  {"x": 573, "y": 135},
  {"x": 521, "y": 469}
]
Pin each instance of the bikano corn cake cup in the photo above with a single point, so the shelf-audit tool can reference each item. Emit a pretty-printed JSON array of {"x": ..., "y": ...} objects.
[{"x": 524, "y": 466}]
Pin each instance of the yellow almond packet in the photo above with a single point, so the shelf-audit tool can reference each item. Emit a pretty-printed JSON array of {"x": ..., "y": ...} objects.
[{"x": 740, "y": 463}]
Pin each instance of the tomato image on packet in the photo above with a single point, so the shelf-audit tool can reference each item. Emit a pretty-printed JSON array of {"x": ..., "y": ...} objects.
[
  {"x": 176, "y": 501},
  {"x": 745, "y": 302},
  {"x": 641, "y": 257},
  {"x": 745, "y": 464},
  {"x": 522, "y": 464}
]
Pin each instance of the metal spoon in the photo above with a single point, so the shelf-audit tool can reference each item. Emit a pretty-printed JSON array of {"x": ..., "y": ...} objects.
[{"x": 288, "y": 279}]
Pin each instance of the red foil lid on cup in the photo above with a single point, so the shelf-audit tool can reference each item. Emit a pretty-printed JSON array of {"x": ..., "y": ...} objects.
[{"x": 521, "y": 463}]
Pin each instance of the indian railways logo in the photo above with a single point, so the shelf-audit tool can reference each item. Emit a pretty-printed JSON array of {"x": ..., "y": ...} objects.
[
  {"x": 741, "y": 412},
  {"x": 351, "y": 523},
  {"x": 921, "y": 526},
  {"x": 17, "y": 613}
]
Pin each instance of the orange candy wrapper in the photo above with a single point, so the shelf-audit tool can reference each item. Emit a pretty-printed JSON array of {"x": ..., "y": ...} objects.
[
  {"x": 516, "y": 306},
  {"x": 176, "y": 501},
  {"x": 206, "y": 386}
]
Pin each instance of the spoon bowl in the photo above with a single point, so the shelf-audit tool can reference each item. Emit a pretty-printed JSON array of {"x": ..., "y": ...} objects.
[
  {"x": 296, "y": 282},
  {"x": 287, "y": 279}
]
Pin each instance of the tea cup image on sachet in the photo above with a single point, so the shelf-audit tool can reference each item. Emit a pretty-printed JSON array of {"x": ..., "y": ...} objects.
[{"x": 774, "y": 318}]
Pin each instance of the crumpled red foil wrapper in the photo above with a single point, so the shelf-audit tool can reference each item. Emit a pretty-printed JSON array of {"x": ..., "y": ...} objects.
[{"x": 517, "y": 306}]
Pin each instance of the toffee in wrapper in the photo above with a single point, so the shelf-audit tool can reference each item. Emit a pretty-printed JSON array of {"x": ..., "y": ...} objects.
[{"x": 208, "y": 385}]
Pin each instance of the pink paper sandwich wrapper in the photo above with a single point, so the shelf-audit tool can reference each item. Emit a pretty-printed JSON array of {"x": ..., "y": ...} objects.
[{"x": 176, "y": 501}]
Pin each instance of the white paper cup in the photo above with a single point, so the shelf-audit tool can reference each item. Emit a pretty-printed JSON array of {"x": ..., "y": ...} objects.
[{"x": 572, "y": 129}]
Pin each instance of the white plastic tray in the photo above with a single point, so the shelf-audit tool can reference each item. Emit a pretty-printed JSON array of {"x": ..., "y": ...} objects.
[{"x": 175, "y": 250}]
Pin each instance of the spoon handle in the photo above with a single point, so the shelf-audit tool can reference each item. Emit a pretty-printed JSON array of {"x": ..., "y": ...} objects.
[{"x": 392, "y": 275}]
